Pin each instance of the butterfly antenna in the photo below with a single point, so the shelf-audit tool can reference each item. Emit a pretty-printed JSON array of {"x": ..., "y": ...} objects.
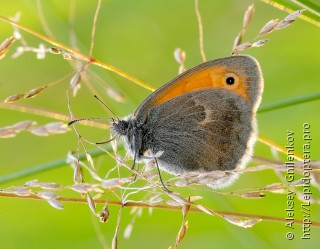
[
  {"x": 84, "y": 119},
  {"x": 108, "y": 141},
  {"x": 106, "y": 106}
]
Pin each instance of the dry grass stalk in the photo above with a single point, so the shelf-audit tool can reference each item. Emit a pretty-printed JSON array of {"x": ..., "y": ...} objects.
[
  {"x": 186, "y": 208},
  {"x": 252, "y": 195},
  {"x": 75, "y": 81},
  {"x": 246, "y": 20},
  {"x": 128, "y": 231},
  {"x": 77, "y": 174},
  {"x": 241, "y": 222},
  {"x": 45, "y": 130},
  {"x": 248, "y": 15},
  {"x": 91, "y": 203},
  {"x": 184, "y": 225},
  {"x": 39, "y": 51},
  {"x": 111, "y": 185},
  {"x": 266, "y": 29},
  {"x": 30, "y": 94},
  {"x": 47, "y": 195},
  {"x": 112, "y": 92},
  {"x": 269, "y": 27},
  {"x": 177, "y": 201},
  {"x": 5, "y": 45},
  {"x": 89, "y": 159},
  {"x": 42, "y": 185},
  {"x": 85, "y": 188},
  {"x": 260, "y": 43},
  {"x": 115, "y": 94},
  {"x": 203, "y": 55},
  {"x": 135, "y": 212},
  {"x": 115, "y": 237},
  {"x": 30, "y": 189},
  {"x": 104, "y": 214},
  {"x": 155, "y": 199},
  {"x": 65, "y": 55},
  {"x": 76, "y": 55},
  {"x": 180, "y": 57},
  {"x": 33, "y": 92},
  {"x": 93, "y": 30},
  {"x": 49, "y": 185},
  {"x": 16, "y": 32},
  {"x": 75, "y": 163},
  {"x": 181, "y": 233},
  {"x": 56, "y": 204},
  {"x": 50, "y": 197},
  {"x": 21, "y": 191}
]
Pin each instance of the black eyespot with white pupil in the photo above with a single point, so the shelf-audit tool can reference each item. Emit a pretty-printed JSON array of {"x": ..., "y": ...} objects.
[{"x": 230, "y": 80}]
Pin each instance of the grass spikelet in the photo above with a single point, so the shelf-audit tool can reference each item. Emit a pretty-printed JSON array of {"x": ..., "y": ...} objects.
[{"x": 5, "y": 45}]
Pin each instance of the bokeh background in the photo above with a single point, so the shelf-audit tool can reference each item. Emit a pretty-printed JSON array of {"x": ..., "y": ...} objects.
[{"x": 139, "y": 37}]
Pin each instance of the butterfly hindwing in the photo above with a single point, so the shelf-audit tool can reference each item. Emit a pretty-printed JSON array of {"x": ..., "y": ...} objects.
[{"x": 204, "y": 131}]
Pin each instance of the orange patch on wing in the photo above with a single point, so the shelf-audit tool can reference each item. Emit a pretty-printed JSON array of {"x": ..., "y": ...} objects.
[{"x": 206, "y": 78}]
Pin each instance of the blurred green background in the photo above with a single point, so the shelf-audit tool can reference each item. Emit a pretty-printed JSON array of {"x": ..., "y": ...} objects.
[{"x": 139, "y": 37}]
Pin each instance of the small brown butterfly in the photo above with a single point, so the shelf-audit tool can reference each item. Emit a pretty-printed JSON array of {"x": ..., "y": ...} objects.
[{"x": 201, "y": 121}]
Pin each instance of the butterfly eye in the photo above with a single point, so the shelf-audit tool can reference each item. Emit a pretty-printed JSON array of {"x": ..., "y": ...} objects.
[{"x": 123, "y": 125}]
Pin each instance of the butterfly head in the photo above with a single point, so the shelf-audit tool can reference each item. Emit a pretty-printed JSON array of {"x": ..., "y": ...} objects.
[{"x": 120, "y": 127}]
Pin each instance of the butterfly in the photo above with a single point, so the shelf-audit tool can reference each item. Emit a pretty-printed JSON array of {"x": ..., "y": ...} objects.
[{"x": 203, "y": 120}]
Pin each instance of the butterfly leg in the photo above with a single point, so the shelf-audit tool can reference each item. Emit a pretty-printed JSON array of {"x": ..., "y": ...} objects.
[
  {"x": 134, "y": 161},
  {"x": 133, "y": 166},
  {"x": 165, "y": 188}
]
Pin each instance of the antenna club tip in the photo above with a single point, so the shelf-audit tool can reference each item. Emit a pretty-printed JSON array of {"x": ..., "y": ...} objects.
[{"x": 71, "y": 122}]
